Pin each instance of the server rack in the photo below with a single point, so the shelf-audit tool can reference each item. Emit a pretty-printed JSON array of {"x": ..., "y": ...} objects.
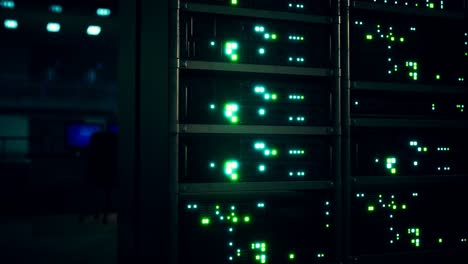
[{"x": 196, "y": 115}]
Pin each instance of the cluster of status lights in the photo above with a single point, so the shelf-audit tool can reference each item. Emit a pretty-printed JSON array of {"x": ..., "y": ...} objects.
[
  {"x": 390, "y": 39},
  {"x": 232, "y": 218},
  {"x": 52, "y": 27},
  {"x": 428, "y": 4},
  {"x": 392, "y": 208},
  {"x": 391, "y": 161},
  {"x": 400, "y": 233},
  {"x": 231, "y": 47},
  {"x": 231, "y": 109},
  {"x": 231, "y": 167}
]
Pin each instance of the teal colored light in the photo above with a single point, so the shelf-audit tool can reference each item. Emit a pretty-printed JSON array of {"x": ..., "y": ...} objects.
[
  {"x": 10, "y": 24},
  {"x": 266, "y": 36},
  {"x": 205, "y": 221},
  {"x": 259, "y": 145},
  {"x": 212, "y": 165},
  {"x": 292, "y": 256},
  {"x": 93, "y": 30},
  {"x": 234, "y": 2},
  {"x": 56, "y": 9},
  {"x": 260, "y": 205},
  {"x": 7, "y": 4},
  {"x": 212, "y": 106},
  {"x": 415, "y": 163},
  {"x": 261, "y": 111},
  {"x": 53, "y": 27},
  {"x": 259, "y": 89},
  {"x": 103, "y": 12},
  {"x": 261, "y": 51},
  {"x": 212, "y": 43},
  {"x": 259, "y": 28},
  {"x": 261, "y": 168}
]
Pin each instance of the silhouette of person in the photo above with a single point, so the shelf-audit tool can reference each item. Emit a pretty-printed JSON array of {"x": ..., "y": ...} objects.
[{"x": 102, "y": 167}]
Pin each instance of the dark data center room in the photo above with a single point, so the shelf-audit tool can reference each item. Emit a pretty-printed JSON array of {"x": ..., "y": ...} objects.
[{"x": 233, "y": 132}]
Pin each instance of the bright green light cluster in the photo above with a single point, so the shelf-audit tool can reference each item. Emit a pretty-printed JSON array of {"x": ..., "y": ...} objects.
[
  {"x": 422, "y": 149},
  {"x": 461, "y": 79},
  {"x": 292, "y": 256},
  {"x": 267, "y": 152},
  {"x": 433, "y": 107},
  {"x": 260, "y": 248},
  {"x": 391, "y": 162},
  {"x": 413, "y": 69},
  {"x": 234, "y": 2},
  {"x": 461, "y": 108},
  {"x": 296, "y": 97},
  {"x": 10, "y": 24},
  {"x": 7, "y": 4},
  {"x": 415, "y": 234},
  {"x": 263, "y": 91},
  {"x": 298, "y": 6},
  {"x": 260, "y": 29},
  {"x": 230, "y": 169},
  {"x": 205, "y": 221},
  {"x": 103, "y": 12},
  {"x": 413, "y": 143},
  {"x": 320, "y": 255},
  {"x": 230, "y": 112},
  {"x": 53, "y": 27},
  {"x": 230, "y": 50}
]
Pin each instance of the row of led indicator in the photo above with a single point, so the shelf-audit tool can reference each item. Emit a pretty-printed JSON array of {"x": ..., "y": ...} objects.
[
  {"x": 429, "y": 5},
  {"x": 8, "y": 4},
  {"x": 53, "y": 27}
]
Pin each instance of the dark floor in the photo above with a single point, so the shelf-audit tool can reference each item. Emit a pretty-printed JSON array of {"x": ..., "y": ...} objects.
[{"x": 56, "y": 239}]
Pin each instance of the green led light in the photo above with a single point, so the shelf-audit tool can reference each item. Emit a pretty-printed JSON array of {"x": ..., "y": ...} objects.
[
  {"x": 7, "y": 4},
  {"x": 233, "y": 2},
  {"x": 402, "y": 39},
  {"x": 440, "y": 240},
  {"x": 266, "y": 36},
  {"x": 261, "y": 168},
  {"x": 274, "y": 97},
  {"x": 370, "y": 208},
  {"x": 104, "y": 12},
  {"x": 212, "y": 165},
  {"x": 274, "y": 152},
  {"x": 369, "y": 37},
  {"x": 53, "y": 27},
  {"x": 292, "y": 256},
  {"x": 261, "y": 111},
  {"x": 437, "y": 77},
  {"x": 261, "y": 51},
  {"x": 212, "y": 106},
  {"x": 431, "y": 5},
  {"x": 393, "y": 171},
  {"x": 10, "y": 24},
  {"x": 205, "y": 221},
  {"x": 327, "y": 225},
  {"x": 234, "y": 57},
  {"x": 273, "y": 36},
  {"x": 246, "y": 219},
  {"x": 235, "y": 219},
  {"x": 93, "y": 30},
  {"x": 425, "y": 149},
  {"x": 259, "y": 145},
  {"x": 56, "y": 9},
  {"x": 259, "y": 89}
]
